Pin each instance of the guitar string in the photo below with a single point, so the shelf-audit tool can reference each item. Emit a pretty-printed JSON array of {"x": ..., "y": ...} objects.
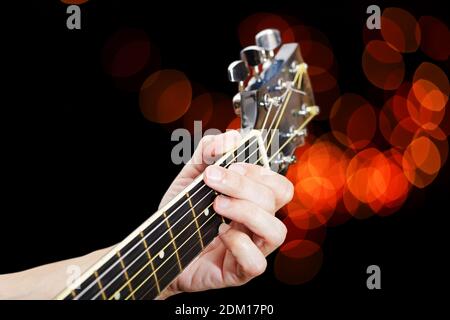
[
  {"x": 303, "y": 125},
  {"x": 167, "y": 231},
  {"x": 145, "y": 237},
  {"x": 301, "y": 70},
  {"x": 270, "y": 107},
  {"x": 172, "y": 241},
  {"x": 123, "y": 256},
  {"x": 202, "y": 212},
  {"x": 170, "y": 269},
  {"x": 154, "y": 272}
]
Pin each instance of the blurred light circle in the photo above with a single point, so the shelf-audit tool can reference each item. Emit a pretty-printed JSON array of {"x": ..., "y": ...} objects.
[
  {"x": 435, "y": 38},
  {"x": 383, "y": 66},
  {"x": 424, "y": 157},
  {"x": 431, "y": 86},
  {"x": 223, "y": 112},
  {"x": 165, "y": 96},
  {"x": 201, "y": 109},
  {"x": 257, "y": 22},
  {"x": 126, "y": 52},
  {"x": 421, "y": 105},
  {"x": 298, "y": 261},
  {"x": 353, "y": 121},
  {"x": 400, "y": 30}
]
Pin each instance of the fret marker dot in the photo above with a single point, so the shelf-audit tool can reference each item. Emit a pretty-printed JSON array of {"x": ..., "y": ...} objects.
[
  {"x": 117, "y": 296},
  {"x": 206, "y": 212},
  {"x": 161, "y": 254}
]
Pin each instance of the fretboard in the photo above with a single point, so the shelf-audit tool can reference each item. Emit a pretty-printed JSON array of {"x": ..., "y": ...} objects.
[{"x": 147, "y": 261}]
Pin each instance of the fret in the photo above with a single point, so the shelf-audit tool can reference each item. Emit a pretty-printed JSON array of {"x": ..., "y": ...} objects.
[
  {"x": 169, "y": 227},
  {"x": 184, "y": 229},
  {"x": 139, "y": 268},
  {"x": 149, "y": 256},
  {"x": 125, "y": 274},
  {"x": 100, "y": 285},
  {"x": 194, "y": 215},
  {"x": 113, "y": 277},
  {"x": 89, "y": 293},
  {"x": 160, "y": 247},
  {"x": 203, "y": 196}
]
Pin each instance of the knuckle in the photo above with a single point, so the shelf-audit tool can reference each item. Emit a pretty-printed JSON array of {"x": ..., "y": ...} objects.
[
  {"x": 289, "y": 192},
  {"x": 278, "y": 234},
  {"x": 239, "y": 241},
  {"x": 254, "y": 269},
  {"x": 233, "y": 180},
  {"x": 269, "y": 196}
]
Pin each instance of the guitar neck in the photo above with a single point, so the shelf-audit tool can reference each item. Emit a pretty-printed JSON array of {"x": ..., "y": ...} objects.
[{"x": 151, "y": 257}]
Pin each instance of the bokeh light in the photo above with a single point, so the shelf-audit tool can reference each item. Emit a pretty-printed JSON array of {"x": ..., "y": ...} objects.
[
  {"x": 126, "y": 52},
  {"x": 383, "y": 66},
  {"x": 353, "y": 121},
  {"x": 165, "y": 96},
  {"x": 298, "y": 261},
  {"x": 250, "y": 26},
  {"x": 201, "y": 109},
  {"x": 400, "y": 30},
  {"x": 435, "y": 38}
]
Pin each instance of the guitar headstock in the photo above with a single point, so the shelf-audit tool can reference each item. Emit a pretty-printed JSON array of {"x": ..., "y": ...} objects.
[{"x": 275, "y": 95}]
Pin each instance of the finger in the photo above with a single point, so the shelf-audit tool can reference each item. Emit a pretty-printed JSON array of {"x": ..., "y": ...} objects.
[
  {"x": 281, "y": 187},
  {"x": 222, "y": 143},
  {"x": 235, "y": 185},
  {"x": 209, "y": 149},
  {"x": 250, "y": 259},
  {"x": 262, "y": 223}
]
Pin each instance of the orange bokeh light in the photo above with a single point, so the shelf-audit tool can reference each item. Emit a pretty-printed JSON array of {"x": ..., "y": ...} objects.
[
  {"x": 431, "y": 86},
  {"x": 165, "y": 96},
  {"x": 353, "y": 121},
  {"x": 201, "y": 109},
  {"x": 424, "y": 157},
  {"x": 383, "y": 66}
]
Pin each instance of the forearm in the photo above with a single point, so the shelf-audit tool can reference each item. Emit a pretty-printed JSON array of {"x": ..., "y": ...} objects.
[{"x": 46, "y": 281}]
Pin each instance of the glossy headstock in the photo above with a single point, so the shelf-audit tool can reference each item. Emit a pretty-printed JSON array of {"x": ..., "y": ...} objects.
[{"x": 275, "y": 95}]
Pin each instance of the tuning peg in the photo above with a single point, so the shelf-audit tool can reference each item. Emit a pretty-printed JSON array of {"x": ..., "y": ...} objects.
[
  {"x": 237, "y": 71},
  {"x": 253, "y": 56},
  {"x": 269, "y": 40}
]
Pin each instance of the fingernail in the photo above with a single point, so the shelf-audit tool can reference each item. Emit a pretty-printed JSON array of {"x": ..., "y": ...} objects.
[
  {"x": 213, "y": 173},
  {"x": 238, "y": 168},
  {"x": 222, "y": 202},
  {"x": 224, "y": 228}
]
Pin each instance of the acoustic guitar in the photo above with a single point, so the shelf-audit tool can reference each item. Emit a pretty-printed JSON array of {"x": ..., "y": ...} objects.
[{"x": 275, "y": 102}]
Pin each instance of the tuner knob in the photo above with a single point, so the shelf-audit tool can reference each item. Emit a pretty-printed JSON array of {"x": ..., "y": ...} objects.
[
  {"x": 237, "y": 71},
  {"x": 269, "y": 40},
  {"x": 253, "y": 56}
]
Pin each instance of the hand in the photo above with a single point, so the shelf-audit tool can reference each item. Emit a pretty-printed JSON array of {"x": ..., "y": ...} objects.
[{"x": 251, "y": 197}]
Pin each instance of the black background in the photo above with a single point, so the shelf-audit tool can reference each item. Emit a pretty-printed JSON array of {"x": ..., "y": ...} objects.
[{"x": 81, "y": 167}]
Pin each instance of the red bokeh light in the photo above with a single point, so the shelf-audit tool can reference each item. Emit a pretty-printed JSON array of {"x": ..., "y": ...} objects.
[
  {"x": 400, "y": 30},
  {"x": 383, "y": 66},
  {"x": 353, "y": 121},
  {"x": 298, "y": 261},
  {"x": 435, "y": 38},
  {"x": 165, "y": 96}
]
